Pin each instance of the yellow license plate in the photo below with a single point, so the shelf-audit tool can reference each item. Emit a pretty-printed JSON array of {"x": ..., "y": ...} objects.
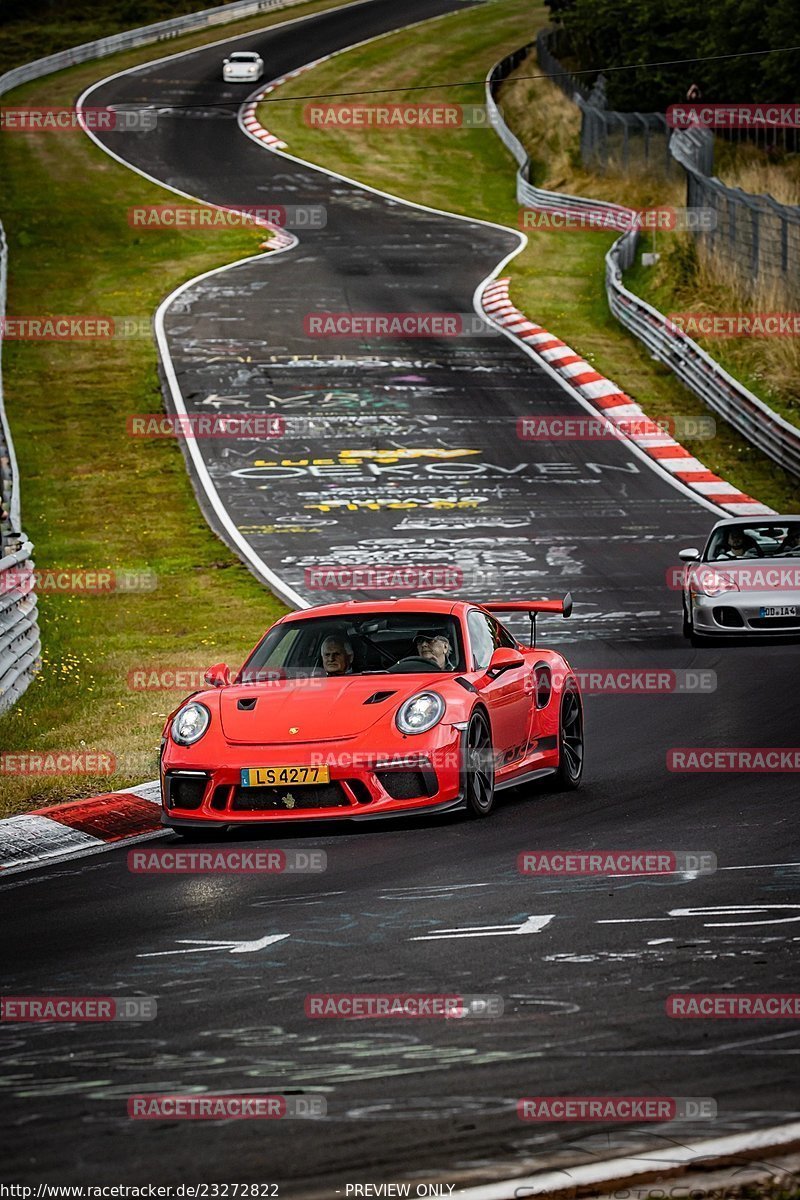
[{"x": 278, "y": 776}]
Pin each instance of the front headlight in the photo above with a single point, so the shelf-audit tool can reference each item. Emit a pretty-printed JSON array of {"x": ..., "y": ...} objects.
[
  {"x": 190, "y": 724},
  {"x": 714, "y": 583},
  {"x": 420, "y": 713}
]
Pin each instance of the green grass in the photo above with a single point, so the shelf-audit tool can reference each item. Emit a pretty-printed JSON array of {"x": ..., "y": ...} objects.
[
  {"x": 558, "y": 279},
  {"x": 91, "y": 496}
]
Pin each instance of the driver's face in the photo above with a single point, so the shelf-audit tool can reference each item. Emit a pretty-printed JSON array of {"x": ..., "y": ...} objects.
[
  {"x": 434, "y": 649},
  {"x": 334, "y": 659}
]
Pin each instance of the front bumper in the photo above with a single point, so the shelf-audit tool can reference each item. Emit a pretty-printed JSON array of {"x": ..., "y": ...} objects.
[
  {"x": 739, "y": 613},
  {"x": 405, "y": 777}
]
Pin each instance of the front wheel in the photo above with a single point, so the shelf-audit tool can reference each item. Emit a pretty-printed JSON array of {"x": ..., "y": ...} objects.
[
  {"x": 570, "y": 742},
  {"x": 479, "y": 767},
  {"x": 687, "y": 624}
]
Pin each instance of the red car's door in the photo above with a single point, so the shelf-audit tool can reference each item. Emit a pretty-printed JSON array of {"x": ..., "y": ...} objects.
[{"x": 509, "y": 697}]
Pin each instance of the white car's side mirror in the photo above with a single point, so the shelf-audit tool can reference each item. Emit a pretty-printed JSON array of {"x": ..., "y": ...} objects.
[{"x": 690, "y": 554}]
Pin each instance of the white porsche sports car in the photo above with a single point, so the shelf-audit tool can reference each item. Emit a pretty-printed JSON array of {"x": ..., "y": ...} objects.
[
  {"x": 745, "y": 581},
  {"x": 243, "y": 66}
]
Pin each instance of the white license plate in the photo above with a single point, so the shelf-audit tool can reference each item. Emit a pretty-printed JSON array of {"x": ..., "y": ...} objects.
[{"x": 779, "y": 610}]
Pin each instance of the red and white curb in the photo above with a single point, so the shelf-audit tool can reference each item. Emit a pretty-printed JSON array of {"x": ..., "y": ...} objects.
[
  {"x": 616, "y": 406},
  {"x": 80, "y": 827},
  {"x": 249, "y": 118}
]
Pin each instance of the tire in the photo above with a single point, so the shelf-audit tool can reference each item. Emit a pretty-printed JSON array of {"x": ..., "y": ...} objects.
[
  {"x": 687, "y": 624},
  {"x": 478, "y": 768},
  {"x": 198, "y": 834},
  {"x": 570, "y": 742}
]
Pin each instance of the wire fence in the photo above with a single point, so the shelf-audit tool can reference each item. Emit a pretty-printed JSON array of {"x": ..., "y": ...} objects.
[
  {"x": 753, "y": 238},
  {"x": 756, "y": 238},
  {"x": 610, "y": 141},
  {"x": 725, "y": 395},
  {"x": 20, "y": 644}
]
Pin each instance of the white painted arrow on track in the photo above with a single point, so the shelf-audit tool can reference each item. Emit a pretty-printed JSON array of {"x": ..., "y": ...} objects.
[
  {"x": 199, "y": 946},
  {"x": 531, "y": 925}
]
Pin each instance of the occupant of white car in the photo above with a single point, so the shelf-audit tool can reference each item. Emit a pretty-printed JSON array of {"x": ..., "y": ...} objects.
[
  {"x": 434, "y": 648},
  {"x": 337, "y": 656},
  {"x": 739, "y": 544},
  {"x": 791, "y": 543}
]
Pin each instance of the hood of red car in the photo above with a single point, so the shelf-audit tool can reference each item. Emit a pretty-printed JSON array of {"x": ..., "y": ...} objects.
[{"x": 311, "y": 710}]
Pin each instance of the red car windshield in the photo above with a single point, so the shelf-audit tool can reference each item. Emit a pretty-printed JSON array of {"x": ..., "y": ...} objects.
[{"x": 394, "y": 643}]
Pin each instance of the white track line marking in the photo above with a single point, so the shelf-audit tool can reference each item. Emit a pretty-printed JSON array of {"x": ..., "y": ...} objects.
[{"x": 647, "y": 1163}]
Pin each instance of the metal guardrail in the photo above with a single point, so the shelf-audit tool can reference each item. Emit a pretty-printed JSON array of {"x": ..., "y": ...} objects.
[
  {"x": 725, "y": 395},
  {"x": 145, "y": 35},
  {"x": 20, "y": 645}
]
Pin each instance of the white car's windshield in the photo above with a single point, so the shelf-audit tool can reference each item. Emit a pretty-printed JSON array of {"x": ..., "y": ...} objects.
[{"x": 757, "y": 540}]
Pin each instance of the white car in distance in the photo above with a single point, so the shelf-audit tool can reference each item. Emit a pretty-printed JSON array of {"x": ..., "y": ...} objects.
[{"x": 243, "y": 66}]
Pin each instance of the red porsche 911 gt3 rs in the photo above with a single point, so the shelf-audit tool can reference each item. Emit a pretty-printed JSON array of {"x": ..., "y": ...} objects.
[{"x": 373, "y": 709}]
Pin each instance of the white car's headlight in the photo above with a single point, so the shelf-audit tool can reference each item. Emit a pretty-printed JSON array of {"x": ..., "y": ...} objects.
[
  {"x": 420, "y": 713},
  {"x": 714, "y": 583},
  {"x": 190, "y": 724}
]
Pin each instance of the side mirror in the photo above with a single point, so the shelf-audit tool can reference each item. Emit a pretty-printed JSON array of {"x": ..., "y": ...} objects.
[
  {"x": 690, "y": 554},
  {"x": 219, "y": 675},
  {"x": 503, "y": 659}
]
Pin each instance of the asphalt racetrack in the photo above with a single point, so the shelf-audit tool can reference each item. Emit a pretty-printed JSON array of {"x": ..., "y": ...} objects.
[{"x": 430, "y": 423}]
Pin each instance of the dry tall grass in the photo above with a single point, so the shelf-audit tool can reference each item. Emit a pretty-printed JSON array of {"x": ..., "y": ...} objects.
[{"x": 686, "y": 278}]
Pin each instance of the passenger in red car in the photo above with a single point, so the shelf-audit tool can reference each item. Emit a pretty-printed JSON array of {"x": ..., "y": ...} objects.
[{"x": 434, "y": 648}]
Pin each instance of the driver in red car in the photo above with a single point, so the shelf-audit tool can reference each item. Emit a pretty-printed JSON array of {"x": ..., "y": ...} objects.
[
  {"x": 337, "y": 656},
  {"x": 434, "y": 648}
]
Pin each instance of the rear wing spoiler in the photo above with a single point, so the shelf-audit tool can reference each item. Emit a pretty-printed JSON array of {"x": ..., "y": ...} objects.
[
  {"x": 532, "y": 608},
  {"x": 563, "y": 606}
]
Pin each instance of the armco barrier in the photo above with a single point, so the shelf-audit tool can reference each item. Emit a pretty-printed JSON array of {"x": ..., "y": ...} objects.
[
  {"x": 160, "y": 31},
  {"x": 725, "y": 395},
  {"x": 20, "y": 646}
]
